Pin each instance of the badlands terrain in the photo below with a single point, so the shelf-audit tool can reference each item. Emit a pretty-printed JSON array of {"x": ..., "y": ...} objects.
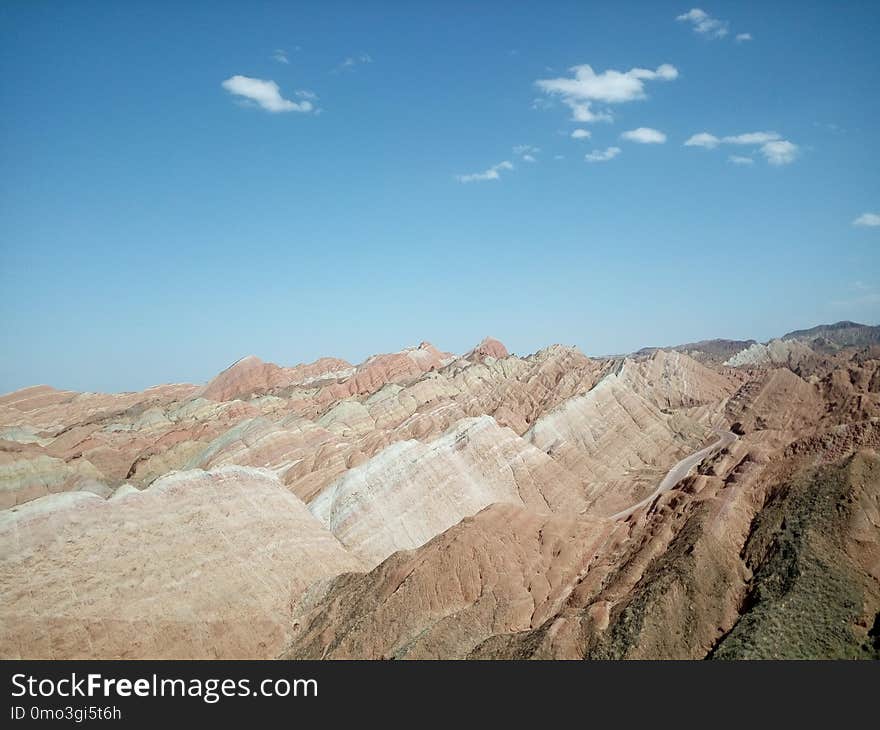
[{"x": 719, "y": 499}]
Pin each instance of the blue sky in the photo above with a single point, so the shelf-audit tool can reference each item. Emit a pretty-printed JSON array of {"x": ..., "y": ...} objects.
[{"x": 157, "y": 223}]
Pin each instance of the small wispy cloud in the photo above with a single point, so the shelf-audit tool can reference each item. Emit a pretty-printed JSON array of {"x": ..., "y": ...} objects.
[
  {"x": 585, "y": 87},
  {"x": 740, "y": 160},
  {"x": 703, "y": 139},
  {"x": 743, "y": 37},
  {"x": 581, "y": 134},
  {"x": 704, "y": 24},
  {"x": 776, "y": 150},
  {"x": 541, "y": 103},
  {"x": 306, "y": 94},
  {"x": 830, "y": 127},
  {"x": 644, "y": 135},
  {"x": 351, "y": 62},
  {"x": 867, "y": 220},
  {"x": 860, "y": 296},
  {"x": 780, "y": 152},
  {"x": 280, "y": 55},
  {"x": 493, "y": 173},
  {"x": 265, "y": 94},
  {"x": 582, "y": 112},
  {"x": 602, "y": 155},
  {"x": 526, "y": 152},
  {"x": 752, "y": 138}
]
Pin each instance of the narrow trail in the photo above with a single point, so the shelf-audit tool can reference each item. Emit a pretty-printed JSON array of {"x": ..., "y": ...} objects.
[{"x": 680, "y": 471}]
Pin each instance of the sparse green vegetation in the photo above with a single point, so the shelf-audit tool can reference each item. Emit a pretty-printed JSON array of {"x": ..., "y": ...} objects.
[{"x": 807, "y": 596}]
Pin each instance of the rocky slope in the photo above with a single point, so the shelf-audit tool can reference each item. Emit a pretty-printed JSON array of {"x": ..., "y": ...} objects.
[
  {"x": 199, "y": 565},
  {"x": 814, "y": 553},
  {"x": 711, "y": 352},
  {"x": 412, "y": 491},
  {"x": 787, "y": 353}
]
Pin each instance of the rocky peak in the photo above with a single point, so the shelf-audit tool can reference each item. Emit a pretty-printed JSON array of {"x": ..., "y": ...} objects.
[{"x": 488, "y": 347}]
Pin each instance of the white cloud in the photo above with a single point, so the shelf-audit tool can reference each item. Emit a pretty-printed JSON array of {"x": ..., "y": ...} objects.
[
  {"x": 867, "y": 219},
  {"x": 558, "y": 157},
  {"x": 264, "y": 93},
  {"x": 644, "y": 135},
  {"x": 780, "y": 152},
  {"x": 581, "y": 134},
  {"x": 703, "y": 139},
  {"x": 743, "y": 37},
  {"x": 752, "y": 138},
  {"x": 280, "y": 55},
  {"x": 529, "y": 158},
  {"x": 776, "y": 150},
  {"x": 611, "y": 87},
  {"x": 740, "y": 160},
  {"x": 602, "y": 155},
  {"x": 493, "y": 173},
  {"x": 306, "y": 94},
  {"x": 704, "y": 24},
  {"x": 585, "y": 87}
]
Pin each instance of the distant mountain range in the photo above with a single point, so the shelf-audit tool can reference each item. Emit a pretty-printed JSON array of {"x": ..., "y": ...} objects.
[
  {"x": 823, "y": 338},
  {"x": 718, "y": 499},
  {"x": 840, "y": 334}
]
